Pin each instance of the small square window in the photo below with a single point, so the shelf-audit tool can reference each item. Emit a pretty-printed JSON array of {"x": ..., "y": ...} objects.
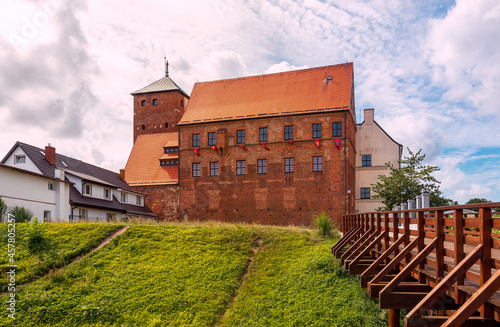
[
  {"x": 214, "y": 169},
  {"x": 20, "y": 159},
  {"x": 240, "y": 136},
  {"x": 262, "y": 166},
  {"x": 365, "y": 192},
  {"x": 51, "y": 186},
  {"x": 316, "y": 131},
  {"x": 196, "y": 140},
  {"x": 336, "y": 129},
  {"x": 366, "y": 160},
  {"x": 143, "y": 103},
  {"x": 155, "y": 102},
  {"x": 289, "y": 165},
  {"x": 263, "y": 134},
  {"x": 288, "y": 133},
  {"x": 240, "y": 167},
  {"x": 317, "y": 163},
  {"x": 211, "y": 139},
  {"x": 196, "y": 169}
]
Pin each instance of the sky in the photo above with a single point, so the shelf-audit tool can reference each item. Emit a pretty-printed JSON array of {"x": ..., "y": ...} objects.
[{"x": 430, "y": 69}]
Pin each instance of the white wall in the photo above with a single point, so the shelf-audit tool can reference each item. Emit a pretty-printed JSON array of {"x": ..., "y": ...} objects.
[{"x": 28, "y": 165}]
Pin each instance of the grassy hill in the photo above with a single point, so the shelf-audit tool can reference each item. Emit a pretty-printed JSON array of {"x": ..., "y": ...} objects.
[{"x": 198, "y": 275}]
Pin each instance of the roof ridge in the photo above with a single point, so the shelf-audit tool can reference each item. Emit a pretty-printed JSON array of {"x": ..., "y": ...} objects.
[{"x": 271, "y": 74}]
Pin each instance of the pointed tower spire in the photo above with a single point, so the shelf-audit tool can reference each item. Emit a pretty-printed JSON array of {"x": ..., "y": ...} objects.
[{"x": 166, "y": 66}]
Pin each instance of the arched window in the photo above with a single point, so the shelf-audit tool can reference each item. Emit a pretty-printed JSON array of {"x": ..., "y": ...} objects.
[
  {"x": 166, "y": 125},
  {"x": 143, "y": 127},
  {"x": 143, "y": 103}
]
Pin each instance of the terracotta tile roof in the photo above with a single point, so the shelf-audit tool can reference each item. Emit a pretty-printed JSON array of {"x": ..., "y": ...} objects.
[
  {"x": 299, "y": 91},
  {"x": 143, "y": 166},
  {"x": 161, "y": 85}
]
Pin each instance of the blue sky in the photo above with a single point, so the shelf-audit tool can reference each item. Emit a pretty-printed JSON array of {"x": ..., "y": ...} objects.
[{"x": 431, "y": 69}]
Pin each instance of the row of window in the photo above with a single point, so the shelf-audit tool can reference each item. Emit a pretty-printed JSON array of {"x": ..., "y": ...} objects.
[
  {"x": 288, "y": 164},
  {"x": 263, "y": 134},
  {"x": 155, "y": 103},
  {"x": 87, "y": 190},
  {"x": 143, "y": 127}
]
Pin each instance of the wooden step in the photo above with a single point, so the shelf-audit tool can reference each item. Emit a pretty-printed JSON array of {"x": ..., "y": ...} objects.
[
  {"x": 409, "y": 299},
  {"x": 437, "y": 321}
]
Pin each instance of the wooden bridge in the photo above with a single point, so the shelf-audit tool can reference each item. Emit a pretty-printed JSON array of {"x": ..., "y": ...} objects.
[{"x": 442, "y": 264}]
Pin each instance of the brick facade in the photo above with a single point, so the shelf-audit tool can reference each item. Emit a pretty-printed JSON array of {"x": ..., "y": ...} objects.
[
  {"x": 163, "y": 200},
  {"x": 276, "y": 197}
]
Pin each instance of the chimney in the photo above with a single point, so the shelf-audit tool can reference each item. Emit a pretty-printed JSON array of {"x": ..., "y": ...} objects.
[
  {"x": 369, "y": 115},
  {"x": 122, "y": 174},
  {"x": 50, "y": 154}
]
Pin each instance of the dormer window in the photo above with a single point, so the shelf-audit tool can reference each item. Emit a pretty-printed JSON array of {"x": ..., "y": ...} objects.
[
  {"x": 123, "y": 197},
  {"x": 138, "y": 201},
  {"x": 143, "y": 103},
  {"x": 155, "y": 102},
  {"x": 107, "y": 193},
  {"x": 20, "y": 159},
  {"x": 87, "y": 189},
  {"x": 166, "y": 163}
]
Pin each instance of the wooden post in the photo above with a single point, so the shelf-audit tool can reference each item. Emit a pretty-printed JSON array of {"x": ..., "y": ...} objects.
[
  {"x": 421, "y": 244},
  {"x": 440, "y": 245},
  {"x": 458, "y": 226},
  {"x": 406, "y": 224},
  {"x": 379, "y": 230},
  {"x": 386, "y": 228},
  {"x": 395, "y": 230},
  {"x": 393, "y": 317},
  {"x": 485, "y": 263}
]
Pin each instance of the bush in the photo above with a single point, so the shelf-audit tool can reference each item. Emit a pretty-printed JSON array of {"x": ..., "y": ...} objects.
[
  {"x": 21, "y": 214},
  {"x": 3, "y": 209},
  {"x": 37, "y": 242},
  {"x": 325, "y": 225}
]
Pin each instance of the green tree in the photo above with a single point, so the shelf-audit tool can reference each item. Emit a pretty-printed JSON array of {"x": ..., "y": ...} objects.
[
  {"x": 437, "y": 199},
  {"x": 406, "y": 182},
  {"x": 480, "y": 200},
  {"x": 3, "y": 209}
]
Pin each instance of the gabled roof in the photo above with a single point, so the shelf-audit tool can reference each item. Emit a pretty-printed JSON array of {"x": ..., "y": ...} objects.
[
  {"x": 93, "y": 173},
  {"x": 311, "y": 90},
  {"x": 143, "y": 166},
  {"x": 161, "y": 85}
]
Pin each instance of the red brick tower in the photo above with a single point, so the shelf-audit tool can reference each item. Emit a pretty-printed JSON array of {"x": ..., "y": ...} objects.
[{"x": 158, "y": 107}]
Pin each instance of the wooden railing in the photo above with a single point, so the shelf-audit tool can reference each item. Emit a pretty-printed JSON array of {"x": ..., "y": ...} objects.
[{"x": 442, "y": 264}]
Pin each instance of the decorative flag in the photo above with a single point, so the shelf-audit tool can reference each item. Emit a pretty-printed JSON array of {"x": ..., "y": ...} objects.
[
  {"x": 317, "y": 143},
  {"x": 264, "y": 145},
  {"x": 337, "y": 143},
  {"x": 214, "y": 147},
  {"x": 243, "y": 147},
  {"x": 291, "y": 142},
  {"x": 196, "y": 151}
]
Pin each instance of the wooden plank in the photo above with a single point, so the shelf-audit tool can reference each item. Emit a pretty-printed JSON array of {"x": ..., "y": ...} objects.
[
  {"x": 393, "y": 316},
  {"x": 395, "y": 231},
  {"x": 436, "y": 321},
  {"x": 346, "y": 240},
  {"x": 475, "y": 301},
  {"x": 440, "y": 244},
  {"x": 406, "y": 224},
  {"x": 367, "y": 248},
  {"x": 362, "y": 246},
  {"x": 458, "y": 245},
  {"x": 421, "y": 243},
  {"x": 485, "y": 263},
  {"x": 446, "y": 283},
  {"x": 354, "y": 246},
  {"x": 384, "y": 255}
]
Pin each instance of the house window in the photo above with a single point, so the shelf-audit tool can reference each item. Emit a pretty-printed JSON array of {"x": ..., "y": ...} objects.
[
  {"x": 365, "y": 192},
  {"x": 240, "y": 167},
  {"x": 263, "y": 134},
  {"x": 211, "y": 139},
  {"x": 83, "y": 213},
  {"x": 336, "y": 129},
  {"x": 240, "y": 136},
  {"x": 214, "y": 169},
  {"x": 46, "y": 215},
  {"x": 155, "y": 102},
  {"x": 164, "y": 163},
  {"x": 366, "y": 160},
  {"x": 143, "y": 103},
  {"x": 288, "y": 133},
  {"x": 87, "y": 189},
  {"x": 196, "y": 140},
  {"x": 123, "y": 197},
  {"x": 196, "y": 169},
  {"x": 138, "y": 200},
  {"x": 107, "y": 193},
  {"x": 262, "y": 166},
  {"x": 316, "y": 131},
  {"x": 51, "y": 186},
  {"x": 289, "y": 167},
  {"x": 317, "y": 163},
  {"x": 20, "y": 159}
]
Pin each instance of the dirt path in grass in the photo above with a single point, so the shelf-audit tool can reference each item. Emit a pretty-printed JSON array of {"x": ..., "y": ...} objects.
[{"x": 242, "y": 279}]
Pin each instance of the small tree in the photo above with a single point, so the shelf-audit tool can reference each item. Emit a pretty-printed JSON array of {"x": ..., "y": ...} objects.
[
  {"x": 3, "y": 209},
  {"x": 480, "y": 200},
  {"x": 406, "y": 182},
  {"x": 21, "y": 214}
]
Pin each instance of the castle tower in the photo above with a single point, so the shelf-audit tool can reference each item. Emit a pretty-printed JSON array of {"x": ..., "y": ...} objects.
[{"x": 159, "y": 106}]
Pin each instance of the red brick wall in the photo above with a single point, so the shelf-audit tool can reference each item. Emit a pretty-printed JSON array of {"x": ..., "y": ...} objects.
[
  {"x": 276, "y": 197},
  {"x": 163, "y": 200},
  {"x": 170, "y": 108}
]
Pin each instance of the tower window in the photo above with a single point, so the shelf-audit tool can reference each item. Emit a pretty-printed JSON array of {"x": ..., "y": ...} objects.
[
  {"x": 316, "y": 131},
  {"x": 143, "y": 103},
  {"x": 240, "y": 136},
  {"x": 262, "y": 166},
  {"x": 263, "y": 134},
  {"x": 196, "y": 169},
  {"x": 137, "y": 128},
  {"x": 288, "y": 133},
  {"x": 240, "y": 167},
  {"x": 211, "y": 139},
  {"x": 214, "y": 169},
  {"x": 196, "y": 140},
  {"x": 155, "y": 102},
  {"x": 366, "y": 160},
  {"x": 336, "y": 129},
  {"x": 143, "y": 127},
  {"x": 182, "y": 103},
  {"x": 166, "y": 125},
  {"x": 317, "y": 164},
  {"x": 289, "y": 166}
]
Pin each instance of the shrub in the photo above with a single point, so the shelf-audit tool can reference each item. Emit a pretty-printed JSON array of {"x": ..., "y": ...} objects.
[
  {"x": 325, "y": 225},
  {"x": 37, "y": 242},
  {"x": 21, "y": 214},
  {"x": 3, "y": 209}
]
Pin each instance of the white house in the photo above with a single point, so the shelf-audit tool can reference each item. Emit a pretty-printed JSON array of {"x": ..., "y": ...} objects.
[{"x": 60, "y": 188}]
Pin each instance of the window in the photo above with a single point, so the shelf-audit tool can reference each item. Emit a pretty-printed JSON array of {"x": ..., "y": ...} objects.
[
  {"x": 143, "y": 103},
  {"x": 317, "y": 163},
  {"x": 164, "y": 163},
  {"x": 20, "y": 159},
  {"x": 196, "y": 140},
  {"x": 262, "y": 166},
  {"x": 143, "y": 127},
  {"x": 170, "y": 150},
  {"x": 196, "y": 169},
  {"x": 240, "y": 136},
  {"x": 166, "y": 125},
  {"x": 289, "y": 165},
  {"x": 87, "y": 189},
  {"x": 155, "y": 102},
  {"x": 182, "y": 103},
  {"x": 46, "y": 215},
  {"x": 240, "y": 167},
  {"x": 51, "y": 186},
  {"x": 336, "y": 129},
  {"x": 366, "y": 160},
  {"x": 214, "y": 169},
  {"x": 123, "y": 197},
  {"x": 83, "y": 213},
  {"x": 263, "y": 134},
  {"x": 365, "y": 192},
  {"x": 288, "y": 133},
  {"x": 211, "y": 139},
  {"x": 316, "y": 131},
  {"x": 107, "y": 193},
  {"x": 138, "y": 200}
]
